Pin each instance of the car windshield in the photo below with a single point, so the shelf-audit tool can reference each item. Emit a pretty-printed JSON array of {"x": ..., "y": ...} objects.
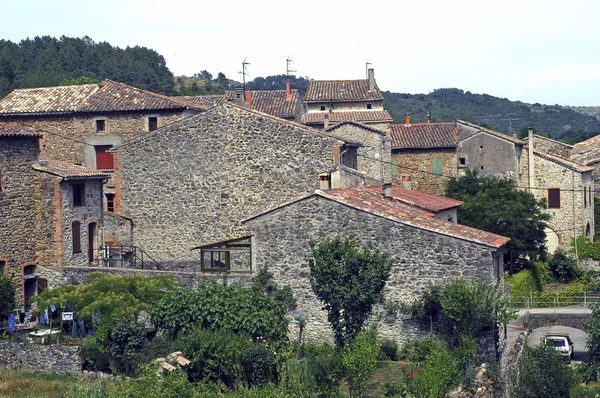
[{"x": 558, "y": 343}]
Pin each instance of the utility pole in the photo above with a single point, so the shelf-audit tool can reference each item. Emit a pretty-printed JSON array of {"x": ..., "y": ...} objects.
[
  {"x": 287, "y": 68},
  {"x": 243, "y": 72}
]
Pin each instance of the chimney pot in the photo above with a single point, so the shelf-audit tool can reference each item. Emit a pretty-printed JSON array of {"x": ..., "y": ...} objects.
[
  {"x": 371, "y": 79},
  {"x": 249, "y": 98},
  {"x": 288, "y": 89},
  {"x": 407, "y": 119},
  {"x": 428, "y": 117},
  {"x": 325, "y": 121},
  {"x": 324, "y": 181},
  {"x": 387, "y": 190}
]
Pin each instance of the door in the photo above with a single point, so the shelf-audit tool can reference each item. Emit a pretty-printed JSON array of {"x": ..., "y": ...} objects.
[{"x": 91, "y": 241}]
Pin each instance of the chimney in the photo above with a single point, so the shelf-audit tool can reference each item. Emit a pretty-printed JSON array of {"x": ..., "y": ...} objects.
[
  {"x": 325, "y": 120},
  {"x": 371, "y": 79},
  {"x": 387, "y": 191},
  {"x": 324, "y": 181},
  {"x": 288, "y": 90},
  {"x": 531, "y": 159},
  {"x": 407, "y": 182},
  {"x": 428, "y": 117},
  {"x": 249, "y": 98},
  {"x": 238, "y": 95},
  {"x": 407, "y": 119}
]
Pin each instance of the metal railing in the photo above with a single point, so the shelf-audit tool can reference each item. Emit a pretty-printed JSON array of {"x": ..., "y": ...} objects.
[
  {"x": 126, "y": 257},
  {"x": 548, "y": 300}
]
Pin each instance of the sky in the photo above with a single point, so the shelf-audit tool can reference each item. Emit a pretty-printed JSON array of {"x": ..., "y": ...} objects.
[{"x": 537, "y": 51}]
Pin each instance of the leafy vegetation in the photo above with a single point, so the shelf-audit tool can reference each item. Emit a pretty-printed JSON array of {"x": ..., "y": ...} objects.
[
  {"x": 7, "y": 296},
  {"x": 586, "y": 249},
  {"x": 563, "y": 267},
  {"x": 349, "y": 279},
  {"x": 591, "y": 361},
  {"x": 495, "y": 205},
  {"x": 359, "y": 358}
]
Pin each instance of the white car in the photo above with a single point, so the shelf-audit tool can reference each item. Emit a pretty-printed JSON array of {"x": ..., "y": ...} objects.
[{"x": 562, "y": 343}]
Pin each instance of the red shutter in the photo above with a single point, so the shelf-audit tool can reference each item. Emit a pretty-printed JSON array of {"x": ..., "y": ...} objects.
[{"x": 104, "y": 159}]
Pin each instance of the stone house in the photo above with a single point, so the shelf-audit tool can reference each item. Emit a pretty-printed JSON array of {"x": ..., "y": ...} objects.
[
  {"x": 424, "y": 155},
  {"x": 81, "y": 123},
  {"x": 565, "y": 185},
  {"x": 424, "y": 249},
  {"x": 50, "y": 213},
  {"x": 588, "y": 153},
  {"x": 191, "y": 182},
  {"x": 329, "y": 102}
]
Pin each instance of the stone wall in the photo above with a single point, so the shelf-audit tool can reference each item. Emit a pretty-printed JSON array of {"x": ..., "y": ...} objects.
[
  {"x": 417, "y": 163},
  {"x": 490, "y": 156},
  {"x": 41, "y": 358},
  {"x": 190, "y": 183},
  {"x": 552, "y": 147},
  {"x": 420, "y": 257},
  {"x": 376, "y": 105}
]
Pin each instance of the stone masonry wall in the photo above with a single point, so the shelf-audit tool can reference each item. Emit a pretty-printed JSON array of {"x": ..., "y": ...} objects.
[
  {"x": 418, "y": 164},
  {"x": 490, "y": 156},
  {"x": 376, "y": 105},
  {"x": 41, "y": 358},
  {"x": 419, "y": 258},
  {"x": 190, "y": 183},
  {"x": 552, "y": 147}
]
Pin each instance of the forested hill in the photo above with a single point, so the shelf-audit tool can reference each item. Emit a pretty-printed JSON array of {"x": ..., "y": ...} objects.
[
  {"x": 499, "y": 114},
  {"x": 47, "y": 61}
]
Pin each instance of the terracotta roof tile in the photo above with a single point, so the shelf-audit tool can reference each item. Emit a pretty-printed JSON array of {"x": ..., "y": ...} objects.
[
  {"x": 424, "y": 135},
  {"x": 418, "y": 198},
  {"x": 587, "y": 152},
  {"x": 562, "y": 161},
  {"x": 108, "y": 96},
  {"x": 67, "y": 170},
  {"x": 341, "y": 90},
  {"x": 348, "y": 116},
  {"x": 205, "y": 102},
  {"x": 17, "y": 130}
]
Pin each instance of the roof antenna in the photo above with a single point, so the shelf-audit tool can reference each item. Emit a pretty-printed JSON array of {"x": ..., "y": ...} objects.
[
  {"x": 243, "y": 72},
  {"x": 287, "y": 68},
  {"x": 367, "y": 69}
]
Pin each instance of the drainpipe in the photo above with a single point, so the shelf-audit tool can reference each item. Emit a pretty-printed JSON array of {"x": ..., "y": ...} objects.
[{"x": 531, "y": 168}]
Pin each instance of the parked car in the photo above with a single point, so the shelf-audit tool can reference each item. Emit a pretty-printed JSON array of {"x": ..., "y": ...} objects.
[{"x": 562, "y": 343}]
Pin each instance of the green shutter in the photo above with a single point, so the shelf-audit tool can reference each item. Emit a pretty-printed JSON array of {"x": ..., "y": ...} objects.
[
  {"x": 393, "y": 168},
  {"x": 436, "y": 162}
]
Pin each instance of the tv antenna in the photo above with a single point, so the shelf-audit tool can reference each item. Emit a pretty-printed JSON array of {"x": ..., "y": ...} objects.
[
  {"x": 287, "y": 68},
  {"x": 243, "y": 72},
  {"x": 367, "y": 69}
]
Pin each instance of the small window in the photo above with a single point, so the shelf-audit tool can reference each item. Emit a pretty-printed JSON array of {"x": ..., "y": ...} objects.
[
  {"x": 104, "y": 158},
  {"x": 450, "y": 218},
  {"x": 462, "y": 161},
  {"x": 4, "y": 267},
  {"x": 101, "y": 126},
  {"x": 589, "y": 194},
  {"x": 76, "y": 233},
  {"x": 394, "y": 170},
  {"x": 482, "y": 167},
  {"x": 152, "y": 123},
  {"x": 481, "y": 149},
  {"x": 78, "y": 195},
  {"x": 554, "y": 198},
  {"x": 322, "y": 107},
  {"x": 369, "y": 106},
  {"x": 110, "y": 202},
  {"x": 436, "y": 165}
]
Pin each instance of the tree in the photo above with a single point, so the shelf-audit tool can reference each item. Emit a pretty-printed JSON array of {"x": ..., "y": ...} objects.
[
  {"x": 591, "y": 361},
  {"x": 7, "y": 296},
  {"x": 348, "y": 278},
  {"x": 543, "y": 373},
  {"x": 497, "y": 206},
  {"x": 563, "y": 267},
  {"x": 79, "y": 81},
  {"x": 360, "y": 359}
]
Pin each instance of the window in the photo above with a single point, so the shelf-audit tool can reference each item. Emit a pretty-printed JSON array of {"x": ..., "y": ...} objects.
[
  {"x": 76, "y": 232},
  {"x": 322, "y": 107},
  {"x": 394, "y": 172},
  {"x": 554, "y": 198},
  {"x": 78, "y": 195},
  {"x": 481, "y": 149},
  {"x": 584, "y": 197},
  {"x": 104, "y": 158},
  {"x": 4, "y": 267},
  {"x": 152, "y": 123},
  {"x": 482, "y": 167},
  {"x": 101, "y": 126},
  {"x": 227, "y": 256},
  {"x": 110, "y": 202},
  {"x": 462, "y": 161},
  {"x": 589, "y": 194},
  {"x": 369, "y": 106},
  {"x": 436, "y": 165}
]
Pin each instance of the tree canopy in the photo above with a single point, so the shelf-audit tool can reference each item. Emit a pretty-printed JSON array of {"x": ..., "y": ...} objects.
[{"x": 497, "y": 206}]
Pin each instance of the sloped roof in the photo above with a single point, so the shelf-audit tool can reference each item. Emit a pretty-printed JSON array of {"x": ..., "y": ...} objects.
[
  {"x": 18, "y": 130},
  {"x": 341, "y": 90},
  {"x": 374, "y": 203},
  {"x": 419, "y": 199},
  {"x": 205, "y": 102},
  {"x": 67, "y": 170},
  {"x": 424, "y": 135},
  {"x": 108, "y": 96},
  {"x": 562, "y": 161},
  {"x": 587, "y": 152},
  {"x": 357, "y": 124},
  {"x": 348, "y": 116}
]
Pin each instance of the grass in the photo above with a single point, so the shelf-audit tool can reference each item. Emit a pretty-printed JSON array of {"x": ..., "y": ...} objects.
[{"x": 21, "y": 384}]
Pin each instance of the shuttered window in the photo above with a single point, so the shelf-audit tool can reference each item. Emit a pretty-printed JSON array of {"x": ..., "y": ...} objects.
[
  {"x": 436, "y": 165},
  {"x": 393, "y": 168},
  {"x": 554, "y": 198},
  {"x": 152, "y": 123},
  {"x": 76, "y": 232},
  {"x": 104, "y": 158}
]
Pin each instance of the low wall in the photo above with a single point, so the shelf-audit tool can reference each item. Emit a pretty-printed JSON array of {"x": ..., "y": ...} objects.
[{"x": 41, "y": 358}]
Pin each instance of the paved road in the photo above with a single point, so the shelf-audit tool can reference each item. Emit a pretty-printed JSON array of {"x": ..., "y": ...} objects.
[{"x": 578, "y": 337}]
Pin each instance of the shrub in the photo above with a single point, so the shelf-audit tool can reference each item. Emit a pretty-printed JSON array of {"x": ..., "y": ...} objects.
[
  {"x": 325, "y": 363},
  {"x": 562, "y": 266},
  {"x": 7, "y": 296},
  {"x": 389, "y": 349},
  {"x": 439, "y": 373},
  {"x": 258, "y": 364},
  {"x": 360, "y": 361},
  {"x": 586, "y": 249}
]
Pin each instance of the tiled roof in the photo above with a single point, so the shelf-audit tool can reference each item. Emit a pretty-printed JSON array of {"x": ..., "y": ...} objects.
[
  {"x": 420, "y": 199},
  {"x": 348, "y": 116},
  {"x": 357, "y": 124},
  {"x": 17, "y": 130},
  {"x": 587, "y": 152},
  {"x": 107, "y": 96},
  {"x": 374, "y": 203},
  {"x": 205, "y": 102},
  {"x": 67, "y": 170},
  {"x": 341, "y": 90},
  {"x": 492, "y": 132},
  {"x": 562, "y": 161},
  {"x": 424, "y": 135}
]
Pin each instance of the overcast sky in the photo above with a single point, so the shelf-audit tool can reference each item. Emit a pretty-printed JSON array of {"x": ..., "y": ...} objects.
[{"x": 533, "y": 51}]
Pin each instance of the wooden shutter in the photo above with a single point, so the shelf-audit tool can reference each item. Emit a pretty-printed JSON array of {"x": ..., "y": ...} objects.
[
  {"x": 76, "y": 231},
  {"x": 436, "y": 165},
  {"x": 394, "y": 168},
  {"x": 554, "y": 198},
  {"x": 152, "y": 123},
  {"x": 104, "y": 159}
]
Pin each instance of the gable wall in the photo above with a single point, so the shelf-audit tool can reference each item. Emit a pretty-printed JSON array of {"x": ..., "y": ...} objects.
[
  {"x": 418, "y": 164},
  {"x": 552, "y": 147}
]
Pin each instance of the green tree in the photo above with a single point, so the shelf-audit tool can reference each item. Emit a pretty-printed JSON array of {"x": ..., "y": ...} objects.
[
  {"x": 495, "y": 205},
  {"x": 79, "y": 81},
  {"x": 591, "y": 361},
  {"x": 7, "y": 296},
  {"x": 360, "y": 359},
  {"x": 349, "y": 279},
  {"x": 543, "y": 373},
  {"x": 562, "y": 266}
]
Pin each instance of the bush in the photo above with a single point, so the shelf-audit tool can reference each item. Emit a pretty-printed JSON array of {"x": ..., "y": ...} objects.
[
  {"x": 258, "y": 364},
  {"x": 389, "y": 349},
  {"x": 586, "y": 249},
  {"x": 360, "y": 361},
  {"x": 563, "y": 267},
  {"x": 439, "y": 374},
  {"x": 325, "y": 363},
  {"x": 7, "y": 296}
]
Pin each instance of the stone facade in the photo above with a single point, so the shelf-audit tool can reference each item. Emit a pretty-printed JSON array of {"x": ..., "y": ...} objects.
[
  {"x": 552, "y": 147},
  {"x": 414, "y": 168},
  {"x": 420, "y": 257},
  {"x": 41, "y": 358},
  {"x": 190, "y": 183}
]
